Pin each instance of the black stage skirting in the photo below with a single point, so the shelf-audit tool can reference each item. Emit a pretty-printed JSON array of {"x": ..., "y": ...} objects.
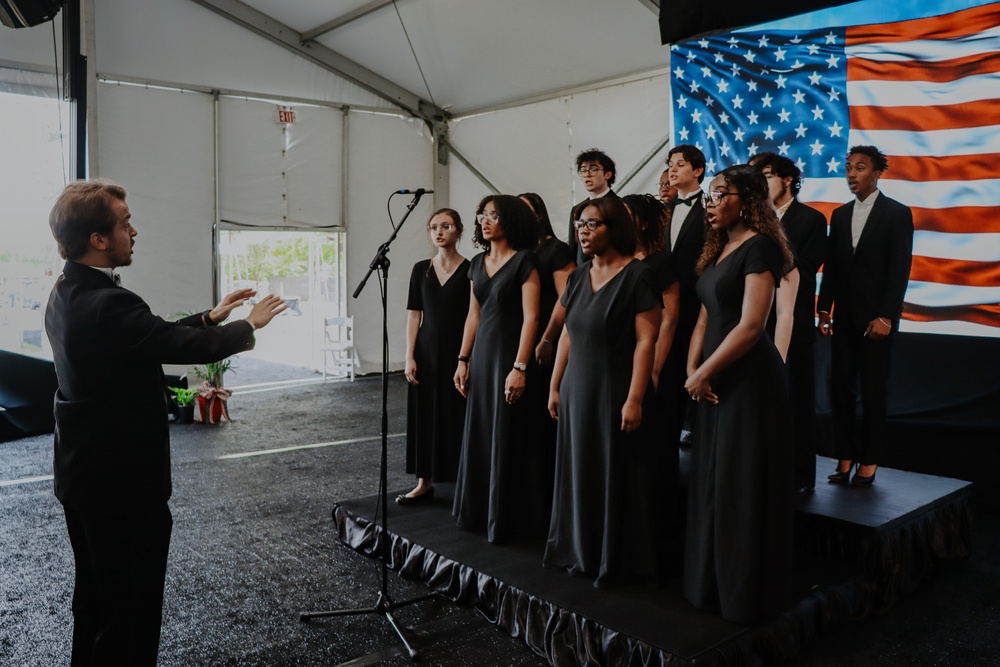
[{"x": 857, "y": 549}]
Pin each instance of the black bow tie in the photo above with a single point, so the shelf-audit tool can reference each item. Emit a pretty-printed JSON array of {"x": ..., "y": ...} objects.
[
  {"x": 117, "y": 278},
  {"x": 690, "y": 200}
]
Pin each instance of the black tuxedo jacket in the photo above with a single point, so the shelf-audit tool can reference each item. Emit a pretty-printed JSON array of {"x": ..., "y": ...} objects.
[
  {"x": 806, "y": 231},
  {"x": 574, "y": 215},
  {"x": 870, "y": 281},
  {"x": 686, "y": 252},
  {"x": 112, "y": 449}
]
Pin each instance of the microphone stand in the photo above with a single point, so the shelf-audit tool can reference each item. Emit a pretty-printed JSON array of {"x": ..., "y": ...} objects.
[{"x": 384, "y": 604}]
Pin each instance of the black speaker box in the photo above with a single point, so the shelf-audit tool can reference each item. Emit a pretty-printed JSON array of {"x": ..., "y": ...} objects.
[{"x": 27, "y": 13}]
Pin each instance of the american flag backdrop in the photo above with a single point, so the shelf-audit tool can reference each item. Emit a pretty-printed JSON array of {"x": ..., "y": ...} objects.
[{"x": 925, "y": 91}]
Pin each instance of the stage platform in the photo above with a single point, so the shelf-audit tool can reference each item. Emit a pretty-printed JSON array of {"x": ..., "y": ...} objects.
[{"x": 857, "y": 549}]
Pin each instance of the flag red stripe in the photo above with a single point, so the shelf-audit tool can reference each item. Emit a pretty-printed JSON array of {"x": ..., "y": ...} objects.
[
  {"x": 955, "y": 220},
  {"x": 955, "y": 272},
  {"x": 988, "y": 315},
  {"x": 941, "y": 71},
  {"x": 942, "y": 168},
  {"x": 948, "y": 26},
  {"x": 924, "y": 119}
]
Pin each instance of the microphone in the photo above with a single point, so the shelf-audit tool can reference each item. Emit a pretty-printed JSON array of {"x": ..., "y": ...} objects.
[{"x": 419, "y": 191}]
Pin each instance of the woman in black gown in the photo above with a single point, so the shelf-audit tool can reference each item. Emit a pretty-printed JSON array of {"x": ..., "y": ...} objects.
[
  {"x": 438, "y": 304},
  {"x": 738, "y": 552},
  {"x": 651, "y": 218},
  {"x": 602, "y": 514},
  {"x": 500, "y": 485}
]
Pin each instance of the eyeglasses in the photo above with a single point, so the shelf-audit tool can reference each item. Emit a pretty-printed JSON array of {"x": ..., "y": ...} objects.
[
  {"x": 446, "y": 227},
  {"x": 494, "y": 218},
  {"x": 663, "y": 185},
  {"x": 592, "y": 225},
  {"x": 592, "y": 169},
  {"x": 715, "y": 196}
]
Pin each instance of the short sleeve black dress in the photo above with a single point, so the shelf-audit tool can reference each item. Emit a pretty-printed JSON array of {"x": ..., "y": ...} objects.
[
  {"x": 499, "y": 486},
  {"x": 435, "y": 411},
  {"x": 738, "y": 552},
  {"x": 602, "y": 523}
]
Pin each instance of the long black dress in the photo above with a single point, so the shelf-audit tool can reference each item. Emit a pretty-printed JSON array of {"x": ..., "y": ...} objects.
[
  {"x": 435, "y": 411},
  {"x": 602, "y": 514},
  {"x": 738, "y": 554},
  {"x": 500, "y": 487}
]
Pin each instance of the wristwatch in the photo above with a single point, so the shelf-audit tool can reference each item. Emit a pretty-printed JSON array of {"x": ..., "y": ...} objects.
[{"x": 518, "y": 366}]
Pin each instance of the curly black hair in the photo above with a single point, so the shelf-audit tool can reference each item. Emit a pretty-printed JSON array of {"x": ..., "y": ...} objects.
[
  {"x": 879, "y": 161},
  {"x": 601, "y": 158},
  {"x": 516, "y": 218},
  {"x": 755, "y": 211},
  {"x": 617, "y": 220}
]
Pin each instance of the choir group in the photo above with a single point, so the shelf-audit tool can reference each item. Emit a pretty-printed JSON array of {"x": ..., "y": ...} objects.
[{"x": 552, "y": 382}]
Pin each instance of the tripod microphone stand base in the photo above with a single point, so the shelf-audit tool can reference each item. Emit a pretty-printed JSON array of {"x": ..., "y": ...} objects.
[{"x": 384, "y": 606}]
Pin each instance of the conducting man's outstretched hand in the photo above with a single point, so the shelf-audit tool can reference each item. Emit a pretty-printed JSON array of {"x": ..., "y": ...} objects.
[
  {"x": 265, "y": 310},
  {"x": 230, "y": 303}
]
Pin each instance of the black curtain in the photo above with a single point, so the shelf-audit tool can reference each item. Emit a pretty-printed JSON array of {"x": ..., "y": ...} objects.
[{"x": 684, "y": 20}]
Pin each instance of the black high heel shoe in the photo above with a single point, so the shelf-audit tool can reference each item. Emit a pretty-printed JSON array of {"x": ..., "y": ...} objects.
[
  {"x": 841, "y": 477},
  {"x": 864, "y": 480}
]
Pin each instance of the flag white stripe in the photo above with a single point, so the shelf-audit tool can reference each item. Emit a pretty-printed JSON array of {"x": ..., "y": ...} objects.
[
  {"x": 966, "y": 141},
  {"x": 942, "y": 195},
  {"x": 877, "y": 93},
  {"x": 948, "y": 328},
  {"x": 928, "y": 49},
  {"x": 939, "y": 295},
  {"x": 983, "y": 247}
]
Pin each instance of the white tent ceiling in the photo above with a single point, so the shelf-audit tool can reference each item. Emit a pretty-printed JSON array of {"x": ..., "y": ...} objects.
[{"x": 474, "y": 54}]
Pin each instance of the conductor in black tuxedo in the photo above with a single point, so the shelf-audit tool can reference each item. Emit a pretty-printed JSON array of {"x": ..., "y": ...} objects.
[
  {"x": 112, "y": 450},
  {"x": 860, "y": 303},
  {"x": 685, "y": 237},
  {"x": 805, "y": 228}
]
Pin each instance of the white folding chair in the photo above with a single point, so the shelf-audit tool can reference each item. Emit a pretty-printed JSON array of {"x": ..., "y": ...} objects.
[{"x": 339, "y": 348}]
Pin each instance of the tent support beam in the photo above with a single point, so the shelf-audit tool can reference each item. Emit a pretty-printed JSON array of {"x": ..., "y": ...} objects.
[
  {"x": 284, "y": 36},
  {"x": 646, "y": 159},
  {"x": 475, "y": 172},
  {"x": 340, "y": 21}
]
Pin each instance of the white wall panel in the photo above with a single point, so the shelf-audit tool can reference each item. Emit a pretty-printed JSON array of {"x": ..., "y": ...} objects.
[
  {"x": 251, "y": 164},
  {"x": 386, "y": 153},
  {"x": 32, "y": 47},
  {"x": 533, "y": 147},
  {"x": 158, "y": 144}
]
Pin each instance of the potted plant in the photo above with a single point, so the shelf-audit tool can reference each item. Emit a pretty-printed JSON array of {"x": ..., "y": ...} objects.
[
  {"x": 213, "y": 396},
  {"x": 185, "y": 399}
]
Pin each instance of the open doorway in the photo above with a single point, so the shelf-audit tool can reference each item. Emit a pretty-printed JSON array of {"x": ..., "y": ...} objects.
[
  {"x": 33, "y": 162},
  {"x": 306, "y": 268}
]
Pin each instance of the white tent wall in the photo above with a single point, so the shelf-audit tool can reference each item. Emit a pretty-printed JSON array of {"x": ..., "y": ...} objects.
[
  {"x": 159, "y": 145},
  {"x": 31, "y": 48},
  {"x": 385, "y": 153},
  {"x": 533, "y": 147}
]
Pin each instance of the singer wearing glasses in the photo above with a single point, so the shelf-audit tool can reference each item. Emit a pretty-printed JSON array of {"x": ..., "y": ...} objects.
[
  {"x": 500, "y": 486},
  {"x": 437, "y": 306},
  {"x": 603, "y": 511},
  {"x": 738, "y": 552}
]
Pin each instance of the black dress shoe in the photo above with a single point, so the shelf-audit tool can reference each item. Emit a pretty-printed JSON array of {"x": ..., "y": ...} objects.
[
  {"x": 840, "y": 477},
  {"x": 803, "y": 490},
  {"x": 864, "y": 480},
  {"x": 403, "y": 499}
]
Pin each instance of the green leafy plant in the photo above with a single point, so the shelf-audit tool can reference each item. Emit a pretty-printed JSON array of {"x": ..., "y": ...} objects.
[
  {"x": 212, "y": 373},
  {"x": 184, "y": 396}
]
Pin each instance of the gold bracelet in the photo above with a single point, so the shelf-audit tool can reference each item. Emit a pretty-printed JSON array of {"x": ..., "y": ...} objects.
[{"x": 882, "y": 320}]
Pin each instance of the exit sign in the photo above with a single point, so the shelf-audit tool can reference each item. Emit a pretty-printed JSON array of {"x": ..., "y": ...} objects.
[{"x": 285, "y": 116}]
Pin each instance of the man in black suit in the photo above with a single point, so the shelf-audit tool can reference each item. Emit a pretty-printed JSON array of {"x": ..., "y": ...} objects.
[
  {"x": 112, "y": 450},
  {"x": 860, "y": 302},
  {"x": 597, "y": 171},
  {"x": 685, "y": 238},
  {"x": 806, "y": 231}
]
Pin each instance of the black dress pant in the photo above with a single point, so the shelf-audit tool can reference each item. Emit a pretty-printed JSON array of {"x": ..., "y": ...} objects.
[
  {"x": 801, "y": 364},
  {"x": 859, "y": 363},
  {"x": 121, "y": 565}
]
